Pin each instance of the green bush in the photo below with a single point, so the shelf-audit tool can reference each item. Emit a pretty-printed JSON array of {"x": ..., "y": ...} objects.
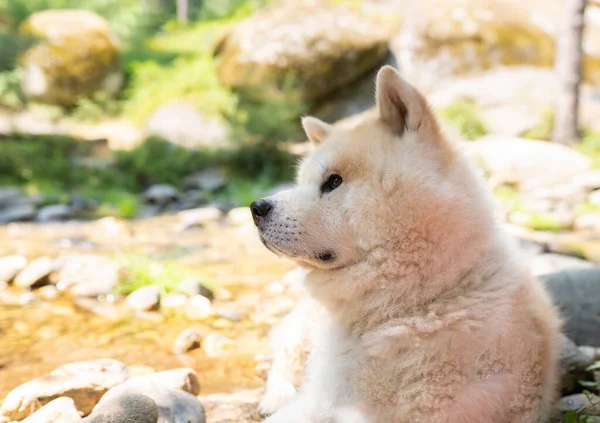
[{"x": 464, "y": 117}]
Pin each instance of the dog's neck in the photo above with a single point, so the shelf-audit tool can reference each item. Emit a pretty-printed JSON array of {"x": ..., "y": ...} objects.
[{"x": 363, "y": 295}]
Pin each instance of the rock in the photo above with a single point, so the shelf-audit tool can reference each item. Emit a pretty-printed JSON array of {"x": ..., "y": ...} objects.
[
  {"x": 48, "y": 292},
  {"x": 76, "y": 58},
  {"x": 173, "y": 300},
  {"x": 17, "y": 213},
  {"x": 130, "y": 408},
  {"x": 88, "y": 276},
  {"x": 199, "y": 308},
  {"x": 573, "y": 364},
  {"x": 551, "y": 263},
  {"x": 318, "y": 46},
  {"x": 145, "y": 298},
  {"x": 239, "y": 216},
  {"x": 61, "y": 410},
  {"x": 192, "y": 287},
  {"x": 188, "y": 340},
  {"x": 527, "y": 163},
  {"x": 9, "y": 195},
  {"x": 56, "y": 212},
  {"x": 10, "y": 266},
  {"x": 208, "y": 180},
  {"x": 181, "y": 123},
  {"x": 85, "y": 382},
  {"x": 197, "y": 217},
  {"x": 222, "y": 294},
  {"x": 443, "y": 38},
  {"x": 191, "y": 199},
  {"x": 216, "y": 345},
  {"x": 36, "y": 273},
  {"x": 161, "y": 194},
  {"x": 594, "y": 198},
  {"x": 589, "y": 180},
  {"x": 238, "y": 407},
  {"x": 589, "y": 222},
  {"x": 173, "y": 392},
  {"x": 575, "y": 293},
  {"x": 577, "y": 402}
]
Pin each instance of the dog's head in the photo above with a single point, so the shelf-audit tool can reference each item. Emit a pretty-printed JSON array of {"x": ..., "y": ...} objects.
[{"x": 389, "y": 181}]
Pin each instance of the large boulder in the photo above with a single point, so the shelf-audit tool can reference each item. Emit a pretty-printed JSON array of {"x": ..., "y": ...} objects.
[
  {"x": 443, "y": 38},
  {"x": 318, "y": 46},
  {"x": 77, "y": 56}
]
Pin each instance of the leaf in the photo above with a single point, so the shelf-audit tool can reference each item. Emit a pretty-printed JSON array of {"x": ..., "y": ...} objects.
[
  {"x": 570, "y": 417},
  {"x": 588, "y": 383},
  {"x": 594, "y": 366}
]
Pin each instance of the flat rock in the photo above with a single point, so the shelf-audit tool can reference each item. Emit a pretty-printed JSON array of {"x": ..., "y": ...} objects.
[
  {"x": 527, "y": 163},
  {"x": 145, "y": 298},
  {"x": 9, "y": 195},
  {"x": 88, "y": 275},
  {"x": 85, "y": 382},
  {"x": 36, "y": 273},
  {"x": 61, "y": 410},
  {"x": 54, "y": 212},
  {"x": 576, "y": 293},
  {"x": 173, "y": 392},
  {"x": 208, "y": 180},
  {"x": 17, "y": 213},
  {"x": 129, "y": 408},
  {"x": 161, "y": 194},
  {"x": 10, "y": 266}
]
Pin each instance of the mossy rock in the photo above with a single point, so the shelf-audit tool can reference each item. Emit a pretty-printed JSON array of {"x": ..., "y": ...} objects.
[
  {"x": 314, "y": 46},
  {"x": 76, "y": 56}
]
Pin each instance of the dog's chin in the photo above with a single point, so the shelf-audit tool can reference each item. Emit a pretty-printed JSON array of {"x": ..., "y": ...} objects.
[{"x": 324, "y": 260}]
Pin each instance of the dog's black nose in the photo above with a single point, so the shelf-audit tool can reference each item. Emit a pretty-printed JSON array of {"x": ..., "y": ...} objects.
[{"x": 260, "y": 209}]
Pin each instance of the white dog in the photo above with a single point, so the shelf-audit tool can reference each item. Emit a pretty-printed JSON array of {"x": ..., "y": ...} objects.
[{"x": 428, "y": 314}]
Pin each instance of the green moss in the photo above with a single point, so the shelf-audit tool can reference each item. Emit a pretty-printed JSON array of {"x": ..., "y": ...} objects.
[
  {"x": 464, "y": 116},
  {"x": 543, "y": 129}
]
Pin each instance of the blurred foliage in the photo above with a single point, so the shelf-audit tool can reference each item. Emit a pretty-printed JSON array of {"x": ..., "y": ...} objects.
[
  {"x": 543, "y": 129},
  {"x": 464, "y": 117},
  {"x": 590, "y": 146}
]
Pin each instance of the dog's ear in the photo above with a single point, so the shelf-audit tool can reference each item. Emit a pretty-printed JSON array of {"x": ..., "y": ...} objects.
[
  {"x": 316, "y": 130},
  {"x": 400, "y": 105}
]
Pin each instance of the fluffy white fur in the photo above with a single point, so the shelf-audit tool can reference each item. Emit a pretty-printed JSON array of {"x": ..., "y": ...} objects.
[{"x": 429, "y": 314}]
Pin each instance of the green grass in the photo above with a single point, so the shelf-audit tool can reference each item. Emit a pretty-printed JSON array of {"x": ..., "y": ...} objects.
[
  {"x": 464, "y": 117},
  {"x": 142, "y": 271}
]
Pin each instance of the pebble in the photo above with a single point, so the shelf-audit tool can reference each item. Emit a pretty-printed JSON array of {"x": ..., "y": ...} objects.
[
  {"x": 194, "y": 286},
  {"x": 10, "y": 266},
  {"x": 48, "y": 292},
  {"x": 36, "y": 273},
  {"x": 199, "y": 308},
  {"x": 145, "y": 298},
  {"x": 217, "y": 345},
  {"x": 188, "y": 340}
]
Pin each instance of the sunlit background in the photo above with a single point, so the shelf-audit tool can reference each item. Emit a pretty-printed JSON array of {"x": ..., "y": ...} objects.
[{"x": 135, "y": 133}]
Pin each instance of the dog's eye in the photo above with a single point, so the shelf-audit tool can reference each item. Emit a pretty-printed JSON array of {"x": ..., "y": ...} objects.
[{"x": 331, "y": 183}]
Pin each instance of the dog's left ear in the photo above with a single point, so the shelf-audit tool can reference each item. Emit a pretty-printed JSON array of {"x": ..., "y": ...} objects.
[
  {"x": 401, "y": 107},
  {"x": 316, "y": 130}
]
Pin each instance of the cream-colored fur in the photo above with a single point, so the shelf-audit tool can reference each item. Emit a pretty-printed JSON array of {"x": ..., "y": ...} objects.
[{"x": 431, "y": 315}]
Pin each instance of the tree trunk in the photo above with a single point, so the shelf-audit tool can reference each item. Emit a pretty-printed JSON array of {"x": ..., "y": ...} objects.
[
  {"x": 182, "y": 10},
  {"x": 568, "y": 66}
]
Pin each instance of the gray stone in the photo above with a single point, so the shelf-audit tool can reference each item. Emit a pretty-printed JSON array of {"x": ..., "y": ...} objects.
[
  {"x": 55, "y": 212},
  {"x": 193, "y": 286},
  {"x": 543, "y": 264},
  {"x": 173, "y": 392},
  {"x": 129, "y": 408},
  {"x": 573, "y": 364},
  {"x": 197, "y": 217},
  {"x": 85, "y": 382},
  {"x": 145, "y": 298},
  {"x": 576, "y": 293},
  {"x": 190, "y": 200},
  {"x": 10, "y": 266},
  {"x": 208, "y": 180},
  {"x": 161, "y": 194},
  {"x": 9, "y": 195},
  {"x": 88, "y": 275},
  {"x": 36, "y": 273},
  {"x": 188, "y": 340},
  {"x": 61, "y": 410},
  {"x": 17, "y": 213},
  {"x": 578, "y": 402},
  {"x": 180, "y": 123}
]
